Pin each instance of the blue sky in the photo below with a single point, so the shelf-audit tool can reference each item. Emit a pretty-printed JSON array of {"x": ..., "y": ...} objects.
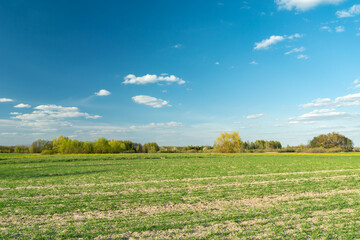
[{"x": 179, "y": 72}]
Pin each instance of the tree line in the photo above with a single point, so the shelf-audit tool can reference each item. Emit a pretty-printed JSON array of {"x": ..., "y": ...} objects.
[
  {"x": 225, "y": 143},
  {"x": 332, "y": 142},
  {"x": 232, "y": 143},
  {"x": 65, "y": 145}
]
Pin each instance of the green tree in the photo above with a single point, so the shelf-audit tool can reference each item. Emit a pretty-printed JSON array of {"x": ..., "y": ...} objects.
[
  {"x": 151, "y": 147},
  {"x": 332, "y": 140},
  {"x": 102, "y": 146},
  {"x": 39, "y": 145}
]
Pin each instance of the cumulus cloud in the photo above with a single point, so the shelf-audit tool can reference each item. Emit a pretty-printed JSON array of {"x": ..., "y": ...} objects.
[
  {"x": 303, "y": 5},
  {"x": 295, "y": 50},
  {"x": 254, "y": 116},
  {"x": 103, "y": 92},
  {"x": 350, "y": 100},
  {"x": 274, "y": 39},
  {"x": 150, "y": 101},
  {"x": 254, "y": 62},
  {"x": 2, "y": 100},
  {"x": 351, "y": 12},
  {"x": 132, "y": 79},
  {"x": 54, "y": 112},
  {"x": 340, "y": 29},
  {"x": 50, "y": 117},
  {"x": 322, "y": 114},
  {"x": 22, "y": 105}
]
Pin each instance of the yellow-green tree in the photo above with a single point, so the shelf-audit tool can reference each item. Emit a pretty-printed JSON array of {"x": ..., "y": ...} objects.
[{"x": 228, "y": 143}]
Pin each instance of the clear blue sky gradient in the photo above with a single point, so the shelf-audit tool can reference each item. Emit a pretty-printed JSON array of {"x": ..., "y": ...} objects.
[{"x": 62, "y": 52}]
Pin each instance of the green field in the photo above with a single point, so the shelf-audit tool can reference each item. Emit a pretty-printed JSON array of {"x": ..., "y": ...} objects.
[{"x": 180, "y": 196}]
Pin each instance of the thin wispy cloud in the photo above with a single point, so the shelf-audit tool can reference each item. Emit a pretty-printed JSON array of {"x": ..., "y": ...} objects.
[
  {"x": 351, "y": 12},
  {"x": 150, "y": 101},
  {"x": 22, "y": 105},
  {"x": 254, "y": 116},
  {"x": 350, "y": 100},
  {"x": 340, "y": 29},
  {"x": 302, "y": 56},
  {"x": 156, "y": 125},
  {"x": 254, "y": 62},
  {"x": 295, "y": 50},
  {"x": 3, "y": 100},
  {"x": 326, "y": 28},
  {"x": 266, "y": 43},
  {"x": 103, "y": 92},
  {"x": 147, "y": 79},
  {"x": 356, "y": 83},
  {"x": 274, "y": 39},
  {"x": 304, "y": 5},
  {"x": 177, "y": 46},
  {"x": 321, "y": 115}
]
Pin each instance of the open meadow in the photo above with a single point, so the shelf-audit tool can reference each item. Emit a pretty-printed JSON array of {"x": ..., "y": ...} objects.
[{"x": 180, "y": 196}]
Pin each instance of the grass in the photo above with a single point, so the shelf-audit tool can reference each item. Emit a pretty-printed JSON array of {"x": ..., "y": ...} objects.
[{"x": 180, "y": 196}]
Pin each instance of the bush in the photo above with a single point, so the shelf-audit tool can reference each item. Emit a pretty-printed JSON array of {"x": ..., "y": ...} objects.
[{"x": 47, "y": 152}]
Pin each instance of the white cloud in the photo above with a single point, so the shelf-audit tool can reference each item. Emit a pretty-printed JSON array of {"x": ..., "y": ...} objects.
[
  {"x": 302, "y": 56},
  {"x": 356, "y": 83},
  {"x": 340, "y": 29},
  {"x": 296, "y": 35},
  {"x": 326, "y": 28},
  {"x": 350, "y": 100},
  {"x": 49, "y": 117},
  {"x": 322, "y": 114},
  {"x": 8, "y": 133},
  {"x": 217, "y": 63},
  {"x": 156, "y": 126},
  {"x": 254, "y": 116},
  {"x": 103, "y": 92},
  {"x": 266, "y": 43},
  {"x": 22, "y": 105},
  {"x": 43, "y": 112},
  {"x": 274, "y": 39},
  {"x": 150, "y": 101},
  {"x": 177, "y": 46},
  {"x": 303, "y": 5},
  {"x": 295, "y": 50},
  {"x": 254, "y": 62},
  {"x": 351, "y": 12},
  {"x": 2, "y": 100},
  {"x": 320, "y": 102},
  {"x": 132, "y": 79}
]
